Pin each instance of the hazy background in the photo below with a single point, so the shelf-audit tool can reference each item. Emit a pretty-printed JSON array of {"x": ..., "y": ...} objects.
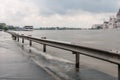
[{"x": 68, "y": 13}]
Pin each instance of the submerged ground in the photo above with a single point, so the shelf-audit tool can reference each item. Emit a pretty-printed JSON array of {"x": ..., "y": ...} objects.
[
  {"x": 20, "y": 62},
  {"x": 14, "y": 65}
]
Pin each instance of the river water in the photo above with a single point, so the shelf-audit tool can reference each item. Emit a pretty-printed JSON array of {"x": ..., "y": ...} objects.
[{"x": 102, "y": 39}]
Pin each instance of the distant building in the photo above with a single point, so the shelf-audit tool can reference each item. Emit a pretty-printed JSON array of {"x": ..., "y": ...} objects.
[
  {"x": 28, "y": 28},
  {"x": 105, "y": 25},
  {"x": 97, "y": 26},
  {"x": 17, "y": 28},
  {"x": 113, "y": 22},
  {"x": 118, "y": 19},
  {"x": 58, "y": 28}
]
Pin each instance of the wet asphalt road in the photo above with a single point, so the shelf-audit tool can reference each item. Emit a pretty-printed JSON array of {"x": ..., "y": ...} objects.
[{"x": 14, "y": 65}]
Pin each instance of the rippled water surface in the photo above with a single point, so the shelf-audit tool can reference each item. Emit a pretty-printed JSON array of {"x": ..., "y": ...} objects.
[{"x": 103, "y": 39}]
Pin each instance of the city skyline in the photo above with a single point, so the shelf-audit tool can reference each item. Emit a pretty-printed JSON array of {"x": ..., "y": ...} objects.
[{"x": 71, "y": 13}]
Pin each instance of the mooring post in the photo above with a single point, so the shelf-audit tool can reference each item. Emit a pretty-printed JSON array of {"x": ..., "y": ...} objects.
[
  {"x": 77, "y": 64},
  {"x": 118, "y": 71},
  {"x": 22, "y": 38},
  {"x": 30, "y": 41}
]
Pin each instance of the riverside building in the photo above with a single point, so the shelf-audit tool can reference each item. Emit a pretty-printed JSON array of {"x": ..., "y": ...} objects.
[{"x": 114, "y": 22}]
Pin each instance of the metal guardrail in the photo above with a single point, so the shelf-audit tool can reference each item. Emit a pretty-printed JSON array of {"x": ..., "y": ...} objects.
[{"x": 76, "y": 49}]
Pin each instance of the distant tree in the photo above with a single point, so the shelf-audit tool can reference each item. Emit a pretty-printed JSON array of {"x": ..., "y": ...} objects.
[
  {"x": 1, "y": 27},
  {"x": 11, "y": 27},
  {"x": 5, "y": 28}
]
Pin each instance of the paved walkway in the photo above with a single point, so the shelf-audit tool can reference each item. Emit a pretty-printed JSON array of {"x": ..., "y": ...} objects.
[{"x": 14, "y": 65}]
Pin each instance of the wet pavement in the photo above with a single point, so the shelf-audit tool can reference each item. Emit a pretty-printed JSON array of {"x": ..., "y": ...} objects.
[{"x": 14, "y": 65}]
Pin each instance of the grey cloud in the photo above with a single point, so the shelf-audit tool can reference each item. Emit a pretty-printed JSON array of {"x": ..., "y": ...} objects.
[{"x": 63, "y": 6}]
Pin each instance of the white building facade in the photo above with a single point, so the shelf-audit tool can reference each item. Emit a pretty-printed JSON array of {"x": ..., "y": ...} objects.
[
  {"x": 114, "y": 22},
  {"x": 118, "y": 19}
]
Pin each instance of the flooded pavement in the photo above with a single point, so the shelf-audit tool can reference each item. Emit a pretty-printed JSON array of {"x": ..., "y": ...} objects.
[
  {"x": 62, "y": 63},
  {"x": 16, "y": 66},
  {"x": 16, "y": 63}
]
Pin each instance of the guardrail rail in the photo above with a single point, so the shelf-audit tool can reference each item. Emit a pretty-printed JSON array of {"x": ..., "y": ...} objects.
[{"x": 76, "y": 49}]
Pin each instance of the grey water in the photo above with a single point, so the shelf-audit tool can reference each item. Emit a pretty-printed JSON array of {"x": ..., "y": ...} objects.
[{"x": 101, "y": 39}]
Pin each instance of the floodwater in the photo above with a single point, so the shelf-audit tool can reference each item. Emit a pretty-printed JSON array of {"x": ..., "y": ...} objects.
[
  {"x": 62, "y": 62},
  {"x": 15, "y": 65},
  {"x": 103, "y": 39}
]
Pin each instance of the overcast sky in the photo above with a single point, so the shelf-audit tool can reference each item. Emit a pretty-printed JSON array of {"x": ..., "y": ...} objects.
[{"x": 71, "y": 13}]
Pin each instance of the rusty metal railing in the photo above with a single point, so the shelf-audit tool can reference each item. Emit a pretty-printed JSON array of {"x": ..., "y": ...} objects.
[{"x": 76, "y": 49}]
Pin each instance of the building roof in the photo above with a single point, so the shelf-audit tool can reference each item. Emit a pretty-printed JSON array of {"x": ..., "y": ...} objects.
[
  {"x": 118, "y": 14},
  {"x": 106, "y": 22}
]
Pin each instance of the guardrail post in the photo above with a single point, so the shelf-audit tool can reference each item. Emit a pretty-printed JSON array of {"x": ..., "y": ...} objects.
[
  {"x": 11, "y": 35},
  {"x": 44, "y": 45},
  {"x": 118, "y": 71},
  {"x": 77, "y": 64},
  {"x": 22, "y": 38},
  {"x": 30, "y": 43},
  {"x": 18, "y": 39},
  {"x": 15, "y": 37}
]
